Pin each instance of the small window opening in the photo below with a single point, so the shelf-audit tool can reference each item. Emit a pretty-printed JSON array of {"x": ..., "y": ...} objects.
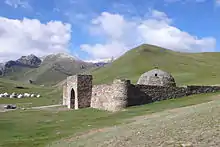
[{"x": 155, "y": 74}]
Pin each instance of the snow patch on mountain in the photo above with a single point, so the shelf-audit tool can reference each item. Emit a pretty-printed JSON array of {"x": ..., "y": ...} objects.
[
  {"x": 60, "y": 56},
  {"x": 106, "y": 60}
]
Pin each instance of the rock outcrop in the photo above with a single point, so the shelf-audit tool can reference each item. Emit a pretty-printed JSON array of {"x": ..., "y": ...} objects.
[{"x": 30, "y": 61}]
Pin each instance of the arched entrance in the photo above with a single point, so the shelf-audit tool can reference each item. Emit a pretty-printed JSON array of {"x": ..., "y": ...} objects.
[{"x": 72, "y": 98}]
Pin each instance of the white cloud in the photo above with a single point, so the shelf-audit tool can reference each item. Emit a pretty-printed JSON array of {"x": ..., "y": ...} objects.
[
  {"x": 160, "y": 16},
  {"x": 18, "y": 3},
  {"x": 217, "y": 2},
  {"x": 30, "y": 36},
  {"x": 104, "y": 51},
  {"x": 104, "y": 24},
  {"x": 157, "y": 29}
]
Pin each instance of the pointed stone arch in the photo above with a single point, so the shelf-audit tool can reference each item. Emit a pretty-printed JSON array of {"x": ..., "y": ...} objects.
[{"x": 72, "y": 98}]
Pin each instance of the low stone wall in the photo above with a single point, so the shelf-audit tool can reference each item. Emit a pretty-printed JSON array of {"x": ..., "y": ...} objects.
[
  {"x": 148, "y": 94},
  {"x": 202, "y": 89},
  {"x": 121, "y": 94},
  {"x": 143, "y": 94}
]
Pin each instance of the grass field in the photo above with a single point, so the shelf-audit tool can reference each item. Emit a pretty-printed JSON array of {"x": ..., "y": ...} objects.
[
  {"x": 25, "y": 128},
  {"x": 49, "y": 96}
]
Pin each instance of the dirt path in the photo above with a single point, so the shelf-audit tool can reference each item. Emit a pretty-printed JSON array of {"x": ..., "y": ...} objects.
[
  {"x": 198, "y": 125},
  {"x": 39, "y": 107},
  {"x": 48, "y": 106}
]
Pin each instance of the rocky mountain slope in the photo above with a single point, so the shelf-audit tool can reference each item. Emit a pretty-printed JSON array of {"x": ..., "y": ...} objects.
[
  {"x": 2, "y": 67},
  {"x": 48, "y": 70}
]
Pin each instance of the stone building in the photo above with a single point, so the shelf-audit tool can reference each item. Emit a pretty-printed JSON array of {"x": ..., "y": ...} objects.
[
  {"x": 156, "y": 77},
  {"x": 154, "y": 85},
  {"x": 78, "y": 91}
]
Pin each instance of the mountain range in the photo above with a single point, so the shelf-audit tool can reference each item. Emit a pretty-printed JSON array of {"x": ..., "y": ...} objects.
[{"x": 54, "y": 68}]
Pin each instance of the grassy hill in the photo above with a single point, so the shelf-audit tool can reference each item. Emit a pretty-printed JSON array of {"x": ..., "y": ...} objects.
[{"x": 187, "y": 68}]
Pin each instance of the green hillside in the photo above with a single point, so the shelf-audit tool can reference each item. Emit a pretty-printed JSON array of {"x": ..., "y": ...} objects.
[
  {"x": 187, "y": 68},
  {"x": 16, "y": 72}
]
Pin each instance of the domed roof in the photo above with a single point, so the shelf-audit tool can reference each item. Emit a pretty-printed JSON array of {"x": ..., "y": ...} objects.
[{"x": 156, "y": 77}]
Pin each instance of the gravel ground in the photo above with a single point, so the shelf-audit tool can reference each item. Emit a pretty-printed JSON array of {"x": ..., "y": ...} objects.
[{"x": 197, "y": 126}]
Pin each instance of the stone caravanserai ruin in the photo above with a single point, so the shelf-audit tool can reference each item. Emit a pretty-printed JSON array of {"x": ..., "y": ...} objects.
[{"x": 154, "y": 85}]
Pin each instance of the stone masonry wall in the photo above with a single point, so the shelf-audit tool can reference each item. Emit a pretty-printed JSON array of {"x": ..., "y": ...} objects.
[
  {"x": 111, "y": 97},
  {"x": 202, "y": 89},
  {"x": 84, "y": 90},
  {"x": 143, "y": 94},
  {"x": 101, "y": 96}
]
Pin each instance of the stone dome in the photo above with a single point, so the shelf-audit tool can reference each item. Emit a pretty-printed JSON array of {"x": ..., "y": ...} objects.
[{"x": 156, "y": 77}]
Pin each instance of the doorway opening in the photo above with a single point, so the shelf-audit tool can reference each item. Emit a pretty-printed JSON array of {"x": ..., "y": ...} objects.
[{"x": 72, "y": 98}]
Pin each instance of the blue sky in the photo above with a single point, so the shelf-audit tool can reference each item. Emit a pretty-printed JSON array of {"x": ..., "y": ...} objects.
[{"x": 100, "y": 29}]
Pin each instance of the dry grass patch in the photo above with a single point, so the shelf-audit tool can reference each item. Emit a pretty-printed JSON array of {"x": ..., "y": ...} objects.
[{"x": 197, "y": 125}]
